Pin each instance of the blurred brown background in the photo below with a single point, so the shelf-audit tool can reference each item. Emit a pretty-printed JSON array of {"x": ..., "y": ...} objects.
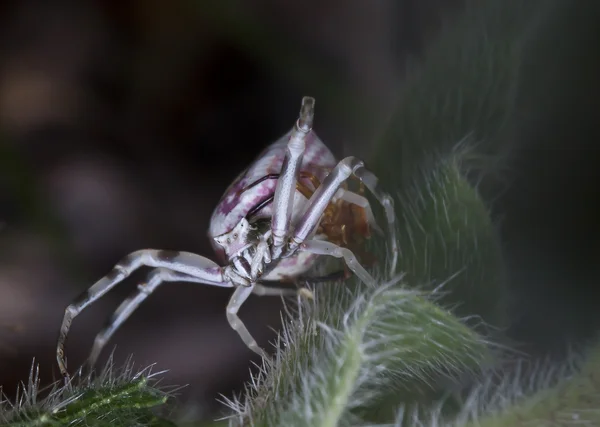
[{"x": 122, "y": 124}]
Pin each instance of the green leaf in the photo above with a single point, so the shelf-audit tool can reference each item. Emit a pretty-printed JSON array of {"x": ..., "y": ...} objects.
[
  {"x": 352, "y": 346},
  {"x": 447, "y": 236},
  {"x": 573, "y": 401},
  {"x": 114, "y": 398}
]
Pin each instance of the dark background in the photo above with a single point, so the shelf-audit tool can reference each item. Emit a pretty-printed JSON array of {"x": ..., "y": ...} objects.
[{"x": 124, "y": 121}]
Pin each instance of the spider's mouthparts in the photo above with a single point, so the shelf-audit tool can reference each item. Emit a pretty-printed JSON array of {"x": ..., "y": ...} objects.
[{"x": 307, "y": 113}]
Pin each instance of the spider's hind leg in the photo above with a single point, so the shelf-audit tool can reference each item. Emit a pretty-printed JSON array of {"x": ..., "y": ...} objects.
[
  {"x": 323, "y": 196},
  {"x": 335, "y": 277},
  {"x": 301, "y": 284},
  {"x": 362, "y": 202},
  {"x": 322, "y": 247},
  {"x": 369, "y": 179}
]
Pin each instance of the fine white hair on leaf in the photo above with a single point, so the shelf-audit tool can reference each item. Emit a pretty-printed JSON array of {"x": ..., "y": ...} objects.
[
  {"x": 531, "y": 393},
  {"x": 353, "y": 353},
  {"x": 123, "y": 394}
]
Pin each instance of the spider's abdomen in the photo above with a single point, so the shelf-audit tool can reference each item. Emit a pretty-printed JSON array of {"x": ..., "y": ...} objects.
[{"x": 242, "y": 198}]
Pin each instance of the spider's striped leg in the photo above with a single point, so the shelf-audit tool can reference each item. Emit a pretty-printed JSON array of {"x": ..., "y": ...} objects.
[
  {"x": 204, "y": 269},
  {"x": 323, "y": 247},
  {"x": 286, "y": 184},
  {"x": 327, "y": 190},
  {"x": 155, "y": 278}
]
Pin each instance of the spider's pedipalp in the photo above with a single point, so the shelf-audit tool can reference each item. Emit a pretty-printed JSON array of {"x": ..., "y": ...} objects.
[
  {"x": 262, "y": 256},
  {"x": 203, "y": 269}
]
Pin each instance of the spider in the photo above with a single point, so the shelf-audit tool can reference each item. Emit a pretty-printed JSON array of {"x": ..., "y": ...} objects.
[{"x": 286, "y": 209}]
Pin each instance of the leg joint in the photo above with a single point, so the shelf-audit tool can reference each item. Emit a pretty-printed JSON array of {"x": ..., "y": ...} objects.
[{"x": 353, "y": 163}]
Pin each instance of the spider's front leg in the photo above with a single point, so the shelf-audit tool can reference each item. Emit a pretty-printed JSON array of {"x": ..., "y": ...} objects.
[
  {"x": 321, "y": 198},
  {"x": 286, "y": 184},
  {"x": 155, "y": 278},
  {"x": 202, "y": 269}
]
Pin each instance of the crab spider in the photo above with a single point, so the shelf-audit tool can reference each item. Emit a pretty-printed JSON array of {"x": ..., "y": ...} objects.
[{"x": 289, "y": 207}]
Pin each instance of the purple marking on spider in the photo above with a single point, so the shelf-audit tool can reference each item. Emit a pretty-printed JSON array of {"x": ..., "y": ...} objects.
[{"x": 232, "y": 207}]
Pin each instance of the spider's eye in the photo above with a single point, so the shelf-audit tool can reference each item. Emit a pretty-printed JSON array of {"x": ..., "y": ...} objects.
[{"x": 235, "y": 236}]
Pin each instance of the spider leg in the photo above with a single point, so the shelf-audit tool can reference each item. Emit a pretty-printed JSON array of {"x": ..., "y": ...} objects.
[
  {"x": 327, "y": 190},
  {"x": 335, "y": 277},
  {"x": 240, "y": 295},
  {"x": 286, "y": 184},
  {"x": 323, "y": 247},
  {"x": 204, "y": 269},
  {"x": 262, "y": 290},
  {"x": 155, "y": 278},
  {"x": 361, "y": 201},
  {"x": 372, "y": 183}
]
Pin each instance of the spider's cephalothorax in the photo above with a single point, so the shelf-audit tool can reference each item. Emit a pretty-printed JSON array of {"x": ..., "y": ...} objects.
[{"x": 289, "y": 207}]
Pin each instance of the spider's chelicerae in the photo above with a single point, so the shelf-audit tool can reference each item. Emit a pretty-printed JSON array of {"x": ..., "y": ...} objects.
[{"x": 288, "y": 208}]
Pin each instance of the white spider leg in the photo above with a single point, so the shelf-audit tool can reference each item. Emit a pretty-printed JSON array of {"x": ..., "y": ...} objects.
[
  {"x": 194, "y": 265},
  {"x": 240, "y": 295},
  {"x": 155, "y": 278},
  {"x": 285, "y": 188},
  {"x": 326, "y": 191},
  {"x": 261, "y": 290},
  {"x": 362, "y": 202},
  {"x": 372, "y": 183},
  {"x": 318, "y": 202},
  {"x": 323, "y": 247}
]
